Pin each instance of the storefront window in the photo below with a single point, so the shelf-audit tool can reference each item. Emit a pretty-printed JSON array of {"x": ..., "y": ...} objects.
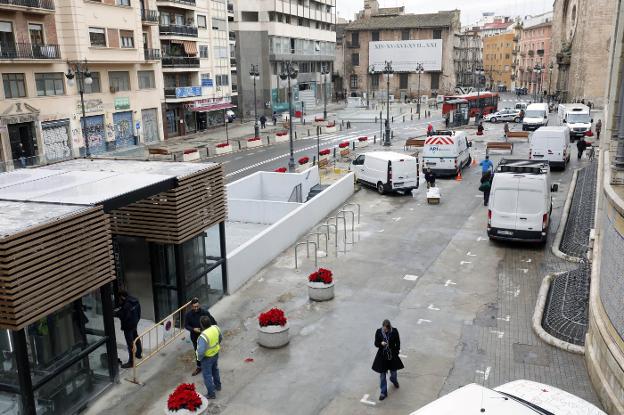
[{"x": 189, "y": 121}]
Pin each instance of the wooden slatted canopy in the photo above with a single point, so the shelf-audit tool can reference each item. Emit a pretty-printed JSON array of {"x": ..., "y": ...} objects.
[{"x": 50, "y": 255}]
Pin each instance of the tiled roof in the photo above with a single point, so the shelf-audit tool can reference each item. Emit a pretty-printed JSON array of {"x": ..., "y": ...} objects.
[{"x": 406, "y": 21}]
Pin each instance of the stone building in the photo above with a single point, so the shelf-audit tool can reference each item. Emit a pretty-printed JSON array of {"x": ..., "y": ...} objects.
[
  {"x": 535, "y": 50},
  {"x": 498, "y": 60},
  {"x": 339, "y": 64},
  {"x": 581, "y": 40},
  {"x": 468, "y": 57},
  {"x": 375, "y": 24}
]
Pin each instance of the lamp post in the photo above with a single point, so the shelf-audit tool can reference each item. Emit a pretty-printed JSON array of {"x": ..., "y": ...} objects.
[
  {"x": 80, "y": 71},
  {"x": 371, "y": 72},
  {"x": 290, "y": 71},
  {"x": 538, "y": 75},
  {"x": 478, "y": 74},
  {"x": 254, "y": 73},
  {"x": 324, "y": 73},
  {"x": 550, "y": 71},
  {"x": 388, "y": 71},
  {"x": 419, "y": 70}
]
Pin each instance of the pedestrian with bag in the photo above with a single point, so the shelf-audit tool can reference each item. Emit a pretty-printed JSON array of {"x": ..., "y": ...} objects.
[
  {"x": 598, "y": 129},
  {"x": 506, "y": 129},
  {"x": 263, "y": 121},
  {"x": 430, "y": 178},
  {"x": 208, "y": 347},
  {"x": 193, "y": 325},
  {"x": 581, "y": 145},
  {"x": 486, "y": 166},
  {"x": 429, "y": 130},
  {"x": 129, "y": 314},
  {"x": 486, "y": 187},
  {"x": 388, "y": 344}
]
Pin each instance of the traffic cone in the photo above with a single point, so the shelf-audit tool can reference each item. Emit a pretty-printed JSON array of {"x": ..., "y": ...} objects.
[
  {"x": 474, "y": 162},
  {"x": 459, "y": 177}
]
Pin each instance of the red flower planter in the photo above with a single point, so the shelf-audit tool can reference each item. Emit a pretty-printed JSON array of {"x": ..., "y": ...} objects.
[
  {"x": 281, "y": 170},
  {"x": 322, "y": 275},
  {"x": 281, "y": 133},
  {"x": 331, "y": 124},
  {"x": 325, "y": 152},
  {"x": 344, "y": 144},
  {"x": 304, "y": 160},
  {"x": 184, "y": 397},
  {"x": 222, "y": 145},
  {"x": 319, "y": 119},
  {"x": 361, "y": 139},
  {"x": 273, "y": 317},
  {"x": 253, "y": 139}
]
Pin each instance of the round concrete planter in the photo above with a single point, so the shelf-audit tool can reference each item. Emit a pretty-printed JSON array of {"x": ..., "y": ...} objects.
[
  {"x": 201, "y": 410},
  {"x": 273, "y": 337},
  {"x": 318, "y": 291}
]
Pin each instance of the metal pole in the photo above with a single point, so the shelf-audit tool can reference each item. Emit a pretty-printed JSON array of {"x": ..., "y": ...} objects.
[
  {"x": 387, "y": 138},
  {"x": 291, "y": 161},
  {"x": 23, "y": 371},
  {"x": 85, "y": 133},
  {"x": 418, "y": 101},
  {"x": 256, "y": 126},
  {"x": 225, "y": 120},
  {"x": 325, "y": 97},
  {"x": 619, "y": 155},
  {"x": 109, "y": 331}
]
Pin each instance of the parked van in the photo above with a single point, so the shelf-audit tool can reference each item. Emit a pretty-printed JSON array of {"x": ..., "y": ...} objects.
[
  {"x": 386, "y": 171},
  {"x": 447, "y": 154},
  {"x": 535, "y": 116},
  {"x": 520, "y": 106},
  {"x": 520, "y": 201},
  {"x": 552, "y": 144},
  {"x": 577, "y": 117}
]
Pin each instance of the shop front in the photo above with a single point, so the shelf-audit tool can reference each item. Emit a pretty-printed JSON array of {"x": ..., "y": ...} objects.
[{"x": 18, "y": 134}]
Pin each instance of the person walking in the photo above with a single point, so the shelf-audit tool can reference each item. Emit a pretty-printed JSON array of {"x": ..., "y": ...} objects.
[
  {"x": 598, "y": 129},
  {"x": 506, "y": 129},
  {"x": 480, "y": 128},
  {"x": 388, "y": 344},
  {"x": 129, "y": 314},
  {"x": 486, "y": 187},
  {"x": 208, "y": 347},
  {"x": 429, "y": 130},
  {"x": 486, "y": 166},
  {"x": 581, "y": 145},
  {"x": 274, "y": 118},
  {"x": 430, "y": 178},
  {"x": 263, "y": 121},
  {"x": 192, "y": 324},
  {"x": 447, "y": 120}
]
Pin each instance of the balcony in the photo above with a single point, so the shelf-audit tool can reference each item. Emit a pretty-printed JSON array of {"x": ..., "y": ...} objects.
[
  {"x": 232, "y": 61},
  {"x": 230, "y": 8},
  {"x": 29, "y": 51},
  {"x": 181, "y": 2},
  {"x": 32, "y": 6},
  {"x": 180, "y": 62},
  {"x": 183, "y": 92},
  {"x": 149, "y": 16},
  {"x": 353, "y": 45},
  {"x": 531, "y": 53},
  {"x": 151, "y": 54},
  {"x": 514, "y": 51},
  {"x": 175, "y": 30},
  {"x": 540, "y": 52}
]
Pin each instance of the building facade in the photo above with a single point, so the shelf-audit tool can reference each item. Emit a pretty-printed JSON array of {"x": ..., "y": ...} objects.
[
  {"x": 581, "y": 41},
  {"x": 270, "y": 34},
  {"x": 41, "y": 111},
  {"x": 468, "y": 58},
  {"x": 534, "y": 50},
  {"x": 378, "y": 24},
  {"x": 498, "y": 60}
]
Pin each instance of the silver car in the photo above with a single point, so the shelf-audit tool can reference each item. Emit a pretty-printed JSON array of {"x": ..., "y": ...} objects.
[{"x": 508, "y": 114}]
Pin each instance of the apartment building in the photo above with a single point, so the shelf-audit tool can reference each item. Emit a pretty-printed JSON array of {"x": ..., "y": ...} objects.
[
  {"x": 115, "y": 41},
  {"x": 196, "y": 64},
  {"x": 468, "y": 58},
  {"x": 534, "y": 51},
  {"x": 498, "y": 60},
  {"x": 269, "y": 34}
]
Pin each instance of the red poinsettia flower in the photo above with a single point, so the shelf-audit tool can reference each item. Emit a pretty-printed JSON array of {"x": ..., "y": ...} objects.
[
  {"x": 322, "y": 275},
  {"x": 221, "y": 145},
  {"x": 304, "y": 160},
  {"x": 325, "y": 152},
  {"x": 360, "y": 139},
  {"x": 281, "y": 170},
  {"x": 184, "y": 397},
  {"x": 331, "y": 124},
  {"x": 344, "y": 144},
  {"x": 253, "y": 139},
  {"x": 281, "y": 133},
  {"x": 273, "y": 317}
]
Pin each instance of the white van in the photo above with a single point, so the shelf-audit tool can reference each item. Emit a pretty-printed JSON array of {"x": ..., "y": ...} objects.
[
  {"x": 552, "y": 144},
  {"x": 520, "y": 397},
  {"x": 447, "y": 152},
  {"x": 386, "y": 171},
  {"x": 577, "y": 117},
  {"x": 520, "y": 201},
  {"x": 535, "y": 116}
]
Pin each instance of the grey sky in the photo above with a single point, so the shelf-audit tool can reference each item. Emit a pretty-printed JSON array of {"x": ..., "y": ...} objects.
[{"x": 470, "y": 9}]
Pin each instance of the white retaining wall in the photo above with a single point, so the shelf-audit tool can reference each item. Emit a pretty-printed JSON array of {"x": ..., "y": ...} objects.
[
  {"x": 273, "y": 186},
  {"x": 265, "y": 212}
]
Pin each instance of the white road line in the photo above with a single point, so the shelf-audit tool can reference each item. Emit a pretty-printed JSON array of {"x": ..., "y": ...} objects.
[
  {"x": 528, "y": 261},
  {"x": 409, "y": 277},
  {"x": 524, "y": 270},
  {"x": 402, "y": 356},
  {"x": 506, "y": 318},
  {"x": 365, "y": 400},
  {"x": 422, "y": 320},
  {"x": 433, "y": 308},
  {"x": 470, "y": 254},
  {"x": 464, "y": 262},
  {"x": 499, "y": 334},
  {"x": 449, "y": 283},
  {"x": 479, "y": 239},
  {"x": 396, "y": 219}
]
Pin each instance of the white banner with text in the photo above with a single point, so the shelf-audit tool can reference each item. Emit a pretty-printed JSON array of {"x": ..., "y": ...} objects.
[{"x": 405, "y": 55}]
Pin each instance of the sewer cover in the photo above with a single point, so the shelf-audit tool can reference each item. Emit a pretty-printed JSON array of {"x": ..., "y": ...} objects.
[
  {"x": 486, "y": 317},
  {"x": 532, "y": 355}
]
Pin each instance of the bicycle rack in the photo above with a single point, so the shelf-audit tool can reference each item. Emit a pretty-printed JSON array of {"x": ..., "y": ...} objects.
[
  {"x": 329, "y": 226},
  {"x": 307, "y": 244},
  {"x": 344, "y": 223},
  {"x": 343, "y": 214},
  {"x": 317, "y": 234},
  {"x": 357, "y": 205}
]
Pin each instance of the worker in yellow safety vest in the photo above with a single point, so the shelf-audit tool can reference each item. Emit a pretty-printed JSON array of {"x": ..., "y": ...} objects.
[{"x": 208, "y": 346}]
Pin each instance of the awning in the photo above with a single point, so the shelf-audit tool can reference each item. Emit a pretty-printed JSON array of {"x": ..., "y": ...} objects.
[
  {"x": 190, "y": 47},
  {"x": 213, "y": 107}
]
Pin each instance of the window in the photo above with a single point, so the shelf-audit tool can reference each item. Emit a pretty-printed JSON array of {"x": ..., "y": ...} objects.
[
  {"x": 220, "y": 52},
  {"x": 375, "y": 36},
  {"x": 218, "y": 24},
  {"x": 123, "y": 3},
  {"x": 127, "y": 38},
  {"x": 405, "y": 34},
  {"x": 222, "y": 80},
  {"x": 375, "y": 77},
  {"x": 252, "y": 17},
  {"x": 50, "y": 84},
  {"x": 201, "y": 21},
  {"x": 435, "y": 80},
  {"x": 97, "y": 36},
  {"x": 203, "y": 51},
  {"x": 36, "y": 34},
  {"x": 119, "y": 80},
  {"x": 403, "y": 79},
  {"x": 6, "y": 34},
  {"x": 355, "y": 38},
  {"x": 354, "y": 81},
  {"x": 437, "y": 33},
  {"x": 355, "y": 59},
  {"x": 95, "y": 86},
  {"x": 205, "y": 79},
  {"x": 146, "y": 80},
  {"x": 14, "y": 85}
]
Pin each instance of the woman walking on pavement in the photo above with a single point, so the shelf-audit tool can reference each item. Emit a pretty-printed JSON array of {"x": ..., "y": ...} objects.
[
  {"x": 388, "y": 345},
  {"x": 598, "y": 129},
  {"x": 486, "y": 187}
]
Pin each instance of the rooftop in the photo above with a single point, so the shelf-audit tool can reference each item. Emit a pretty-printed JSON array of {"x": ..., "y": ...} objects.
[
  {"x": 406, "y": 21},
  {"x": 19, "y": 216}
]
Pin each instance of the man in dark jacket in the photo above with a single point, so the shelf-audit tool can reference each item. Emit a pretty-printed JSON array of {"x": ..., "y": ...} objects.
[
  {"x": 388, "y": 344},
  {"x": 192, "y": 322},
  {"x": 581, "y": 145},
  {"x": 430, "y": 178},
  {"x": 129, "y": 313}
]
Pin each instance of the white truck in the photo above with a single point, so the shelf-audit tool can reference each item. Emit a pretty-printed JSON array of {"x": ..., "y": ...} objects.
[
  {"x": 447, "y": 152},
  {"x": 577, "y": 117}
]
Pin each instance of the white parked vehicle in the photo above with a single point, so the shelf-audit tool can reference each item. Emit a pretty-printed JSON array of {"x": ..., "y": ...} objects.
[
  {"x": 577, "y": 117},
  {"x": 552, "y": 144},
  {"x": 520, "y": 202},
  {"x": 520, "y": 106},
  {"x": 447, "y": 152},
  {"x": 386, "y": 171},
  {"x": 520, "y": 397},
  {"x": 508, "y": 114},
  {"x": 535, "y": 116}
]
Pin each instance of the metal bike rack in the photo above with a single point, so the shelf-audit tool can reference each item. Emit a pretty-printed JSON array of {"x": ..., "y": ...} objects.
[
  {"x": 357, "y": 205},
  {"x": 344, "y": 223},
  {"x": 329, "y": 226},
  {"x": 318, "y": 234},
  {"x": 306, "y": 243},
  {"x": 343, "y": 214}
]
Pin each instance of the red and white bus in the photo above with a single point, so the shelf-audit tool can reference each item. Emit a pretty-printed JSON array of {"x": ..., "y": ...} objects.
[{"x": 486, "y": 101}]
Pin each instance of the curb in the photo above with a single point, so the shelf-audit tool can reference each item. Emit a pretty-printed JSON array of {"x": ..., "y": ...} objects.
[
  {"x": 564, "y": 220},
  {"x": 538, "y": 314}
]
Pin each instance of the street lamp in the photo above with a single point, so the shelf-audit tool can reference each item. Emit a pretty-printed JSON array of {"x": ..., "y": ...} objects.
[
  {"x": 254, "y": 73},
  {"x": 371, "y": 72},
  {"x": 290, "y": 71},
  {"x": 388, "y": 71},
  {"x": 538, "y": 75},
  {"x": 550, "y": 71},
  {"x": 80, "y": 71},
  {"x": 478, "y": 74},
  {"x": 324, "y": 73},
  {"x": 419, "y": 70}
]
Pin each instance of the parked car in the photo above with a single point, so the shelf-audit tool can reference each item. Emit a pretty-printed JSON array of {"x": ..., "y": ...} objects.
[
  {"x": 386, "y": 171},
  {"x": 508, "y": 114},
  {"x": 521, "y": 91},
  {"x": 447, "y": 154},
  {"x": 520, "y": 202},
  {"x": 520, "y": 397},
  {"x": 535, "y": 116},
  {"x": 552, "y": 144}
]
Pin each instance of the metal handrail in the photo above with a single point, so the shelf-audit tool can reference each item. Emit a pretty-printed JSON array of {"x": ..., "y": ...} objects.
[
  {"x": 160, "y": 343},
  {"x": 36, "y": 4},
  {"x": 329, "y": 226},
  {"x": 318, "y": 234},
  {"x": 178, "y": 30},
  {"x": 307, "y": 244},
  {"x": 344, "y": 224},
  {"x": 20, "y": 50},
  {"x": 343, "y": 214},
  {"x": 357, "y": 205}
]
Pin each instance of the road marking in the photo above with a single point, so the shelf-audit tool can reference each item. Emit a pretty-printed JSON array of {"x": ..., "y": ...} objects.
[
  {"x": 479, "y": 239},
  {"x": 380, "y": 231},
  {"x": 365, "y": 400},
  {"x": 464, "y": 262},
  {"x": 528, "y": 261},
  {"x": 260, "y": 279},
  {"x": 524, "y": 270},
  {"x": 449, "y": 283},
  {"x": 422, "y": 320},
  {"x": 470, "y": 254},
  {"x": 499, "y": 334},
  {"x": 411, "y": 209},
  {"x": 409, "y": 277},
  {"x": 516, "y": 292},
  {"x": 431, "y": 307},
  {"x": 506, "y": 318},
  {"x": 486, "y": 373},
  {"x": 396, "y": 219}
]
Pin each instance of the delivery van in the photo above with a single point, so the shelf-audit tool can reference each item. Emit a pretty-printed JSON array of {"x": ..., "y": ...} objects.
[
  {"x": 446, "y": 153},
  {"x": 520, "y": 202},
  {"x": 535, "y": 116},
  {"x": 577, "y": 117},
  {"x": 386, "y": 171},
  {"x": 552, "y": 144}
]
